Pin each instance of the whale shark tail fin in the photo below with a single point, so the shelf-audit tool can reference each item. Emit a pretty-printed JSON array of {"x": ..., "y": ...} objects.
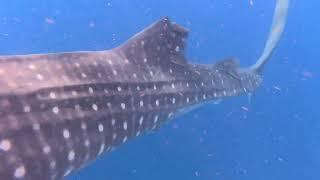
[{"x": 277, "y": 27}]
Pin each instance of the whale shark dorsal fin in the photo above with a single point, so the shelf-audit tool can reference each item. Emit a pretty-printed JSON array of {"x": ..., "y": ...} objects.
[{"x": 162, "y": 43}]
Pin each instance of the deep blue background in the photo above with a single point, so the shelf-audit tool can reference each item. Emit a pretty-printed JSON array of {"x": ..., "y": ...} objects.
[{"x": 278, "y": 138}]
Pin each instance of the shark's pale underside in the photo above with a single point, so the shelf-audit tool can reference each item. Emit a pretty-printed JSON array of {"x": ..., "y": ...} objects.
[{"x": 60, "y": 111}]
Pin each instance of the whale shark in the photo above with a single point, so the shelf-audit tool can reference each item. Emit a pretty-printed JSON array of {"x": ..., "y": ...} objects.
[{"x": 60, "y": 111}]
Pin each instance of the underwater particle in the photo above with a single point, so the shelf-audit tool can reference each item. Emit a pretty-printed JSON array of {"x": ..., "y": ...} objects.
[
  {"x": 49, "y": 20},
  {"x": 306, "y": 74},
  {"x": 175, "y": 126},
  {"x": 92, "y": 24},
  {"x": 242, "y": 171},
  {"x": 148, "y": 11},
  {"x": 134, "y": 171},
  {"x": 201, "y": 140},
  {"x": 266, "y": 161},
  {"x": 280, "y": 159},
  {"x": 205, "y": 132},
  {"x": 114, "y": 38},
  {"x": 277, "y": 88},
  {"x": 251, "y": 2},
  {"x": 16, "y": 20},
  {"x": 244, "y": 108}
]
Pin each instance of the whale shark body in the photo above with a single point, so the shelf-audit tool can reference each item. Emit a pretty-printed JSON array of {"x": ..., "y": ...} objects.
[{"x": 60, "y": 111}]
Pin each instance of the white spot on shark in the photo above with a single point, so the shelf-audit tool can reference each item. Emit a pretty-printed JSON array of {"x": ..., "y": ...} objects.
[
  {"x": 71, "y": 155},
  {"x": 95, "y": 107},
  {"x": 123, "y": 105},
  {"x": 100, "y": 127},
  {"x": 141, "y": 120},
  {"x": 39, "y": 77},
  {"x": 5, "y": 145},
  {"x": 20, "y": 172},
  {"x": 46, "y": 149},
  {"x": 66, "y": 133},
  {"x": 125, "y": 125},
  {"x": 55, "y": 109}
]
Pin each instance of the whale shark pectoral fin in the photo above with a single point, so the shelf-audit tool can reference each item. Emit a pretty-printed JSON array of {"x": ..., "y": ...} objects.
[{"x": 160, "y": 44}]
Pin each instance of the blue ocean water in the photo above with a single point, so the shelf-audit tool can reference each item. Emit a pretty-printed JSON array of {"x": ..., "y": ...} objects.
[{"x": 273, "y": 136}]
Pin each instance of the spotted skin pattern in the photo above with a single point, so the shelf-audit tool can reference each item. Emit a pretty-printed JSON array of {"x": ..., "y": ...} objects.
[{"x": 60, "y": 111}]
